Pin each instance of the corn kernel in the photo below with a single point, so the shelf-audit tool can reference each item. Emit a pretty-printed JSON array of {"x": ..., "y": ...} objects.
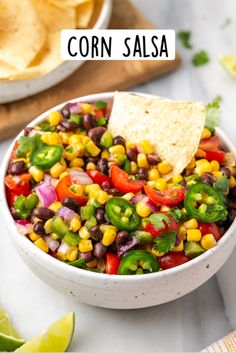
[
  {"x": 161, "y": 184},
  {"x": 191, "y": 224},
  {"x": 165, "y": 208},
  {"x": 85, "y": 139},
  {"x": 92, "y": 188},
  {"x": 191, "y": 164},
  {"x": 232, "y": 182},
  {"x": 133, "y": 167},
  {"x": 143, "y": 210},
  {"x": 86, "y": 108},
  {"x": 61, "y": 256},
  {"x": 92, "y": 263},
  {"x": 117, "y": 149},
  {"x": 74, "y": 139},
  {"x": 179, "y": 247},
  {"x": 48, "y": 226},
  {"x": 151, "y": 184},
  {"x": 77, "y": 162},
  {"x": 177, "y": 179},
  {"x": 45, "y": 138},
  {"x": 72, "y": 254},
  {"x": 54, "y": 236},
  {"x": 71, "y": 152},
  {"x": 146, "y": 146},
  {"x": 164, "y": 167},
  {"x": 54, "y": 139},
  {"x": 129, "y": 144},
  {"x": 157, "y": 253},
  {"x": 153, "y": 174},
  {"x": 208, "y": 241},
  {"x": 62, "y": 175},
  {"x": 108, "y": 237},
  {"x": 41, "y": 244},
  {"x": 169, "y": 185},
  {"x": 128, "y": 196},
  {"x": 75, "y": 224},
  {"x": 182, "y": 232},
  {"x": 33, "y": 236},
  {"x": 105, "y": 227},
  {"x": 36, "y": 173},
  {"x": 203, "y": 168},
  {"x": 56, "y": 170},
  {"x": 91, "y": 166},
  {"x": 200, "y": 154},
  {"x": 218, "y": 175},
  {"x": 201, "y": 161},
  {"x": 101, "y": 197},
  {"x": 105, "y": 154},
  {"x": 84, "y": 233},
  {"x": 64, "y": 137},
  {"x": 142, "y": 160},
  {"x": 54, "y": 118},
  {"x": 77, "y": 189},
  {"x": 194, "y": 235},
  {"x": 55, "y": 206},
  {"x": 85, "y": 245},
  {"x": 92, "y": 149},
  {"x": 215, "y": 166},
  {"x": 206, "y": 134}
]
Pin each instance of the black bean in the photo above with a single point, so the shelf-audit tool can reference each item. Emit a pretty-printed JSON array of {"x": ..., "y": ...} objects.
[
  {"x": 119, "y": 140},
  {"x": 105, "y": 186},
  {"x": 121, "y": 237},
  {"x": 39, "y": 228},
  {"x": 66, "y": 125},
  {"x": 132, "y": 155},
  {"x": 231, "y": 215},
  {"x": 226, "y": 171},
  {"x": 14, "y": 214},
  {"x": 95, "y": 233},
  {"x": 208, "y": 178},
  {"x": 233, "y": 192},
  {"x": 42, "y": 213},
  {"x": 100, "y": 215},
  {"x": 71, "y": 203},
  {"x": 93, "y": 160},
  {"x": 102, "y": 166},
  {"x": 86, "y": 256},
  {"x": 27, "y": 130},
  {"x": 65, "y": 111},
  {"x": 99, "y": 250},
  {"x": 88, "y": 121},
  {"x": 115, "y": 192},
  {"x": 17, "y": 168},
  {"x": 142, "y": 173},
  {"x": 130, "y": 244},
  {"x": 96, "y": 133},
  {"x": 153, "y": 159}
]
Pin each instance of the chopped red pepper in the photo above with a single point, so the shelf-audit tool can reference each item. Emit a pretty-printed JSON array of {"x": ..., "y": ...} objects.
[
  {"x": 211, "y": 144},
  {"x": 63, "y": 190},
  {"x": 121, "y": 181},
  {"x": 99, "y": 178},
  {"x": 112, "y": 263},
  {"x": 218, "y": 156},
  {"x": 18, "y": 184}
]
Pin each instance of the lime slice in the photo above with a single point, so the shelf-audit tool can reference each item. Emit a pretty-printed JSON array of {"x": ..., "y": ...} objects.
[
  {"x": 9, "y": 337},
  {"x": 229, "y": 63},
  {"x": 57, "y": 338}
]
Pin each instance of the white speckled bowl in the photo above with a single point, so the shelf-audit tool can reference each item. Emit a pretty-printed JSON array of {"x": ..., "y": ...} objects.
[
  {"x": 120, "y": 292},
  {"x": 18, "y": 89}
]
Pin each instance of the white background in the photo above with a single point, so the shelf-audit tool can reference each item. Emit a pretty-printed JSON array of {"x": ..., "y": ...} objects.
[{"x": 196, "y": 320}]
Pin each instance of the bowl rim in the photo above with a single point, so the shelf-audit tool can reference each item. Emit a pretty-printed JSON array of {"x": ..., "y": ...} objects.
[{"x": 59, "y": 265}]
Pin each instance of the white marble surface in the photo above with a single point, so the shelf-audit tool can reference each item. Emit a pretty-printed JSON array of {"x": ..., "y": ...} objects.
[{"x": 194, "y": 321}]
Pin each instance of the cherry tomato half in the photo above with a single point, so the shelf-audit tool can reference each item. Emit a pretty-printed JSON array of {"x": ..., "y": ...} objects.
[
  {"x": 173, "y": 259},
  {"x": 121, "y": 181},
  {"x": 98, "y": 178},
  {"x": 169, "y": 197},
  {"x": 218, "y": 156},
  {"x": 63, "y": 190},
  {"x": 18, "y": 184},
  {"x": 210, "y": 228},
  {"x": 112, "y": 263},
  {"x": 211, "y": 144}
]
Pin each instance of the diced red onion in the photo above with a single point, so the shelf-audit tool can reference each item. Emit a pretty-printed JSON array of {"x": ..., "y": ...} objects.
[
  {"x": 130, "y": 244},
  {"x": 53, "y": 181},
  {"x": 66, "y": 213},
  {"x": 139, "y": 149},
  {"x": 137, "y": 198},
  {"x": 63, "y": 248},
  {"x": 51, "y": 243},
  {"x": 24, "y": 227},
  {"x": 46, "y": 194},
  {"x": 151, "y": 205},
  {"x": 74, "y": 108},
  {"x": 79, "y": 177}
]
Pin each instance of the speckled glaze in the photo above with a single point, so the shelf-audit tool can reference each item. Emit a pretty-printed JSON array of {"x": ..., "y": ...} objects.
[
  {"x": 14, "y": 90},
  {"x": 118, "y": 292}
]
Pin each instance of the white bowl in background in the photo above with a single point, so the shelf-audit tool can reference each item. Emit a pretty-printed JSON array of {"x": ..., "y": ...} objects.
[
  {"x": 119, "y": 292},
  {"x": 18, "y": 89}
]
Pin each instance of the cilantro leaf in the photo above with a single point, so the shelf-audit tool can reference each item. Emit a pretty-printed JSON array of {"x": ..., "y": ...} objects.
[
  {"x": 200, "y": 58},
  {"x": 29, "y": 144},
  {"x": 213, "y": 114},
  {"x": 166, "y": 242},
  {"x": 159, "y": 220},
  {"x": 184, "y": 37},
  {"x": 177, "y": 215},
  {"x": 222, "y": 187}
]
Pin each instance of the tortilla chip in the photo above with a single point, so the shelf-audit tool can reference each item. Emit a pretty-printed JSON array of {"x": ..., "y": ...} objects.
[
  {"x": 21, "y": 33},
  {"x": 84, "y": 14},
  {"x": 174, "y": 128},
  {"x": 55, "y": 18}
]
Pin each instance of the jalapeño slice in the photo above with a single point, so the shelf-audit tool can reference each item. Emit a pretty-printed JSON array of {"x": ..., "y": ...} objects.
[
  {"x": 138, "y": 262},
  {"x": 47, "y": 156}
]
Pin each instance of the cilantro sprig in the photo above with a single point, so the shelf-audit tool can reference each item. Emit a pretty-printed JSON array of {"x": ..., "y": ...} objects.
[
  {"x": 159, "y": 220},
  {"x": 177, "y": 215},
  {"x": 29, "y": 145},
  {"x": 184, "y": 37},
  {"x": 166, "y": 241},
  {"x": 200, "y": 58},
  {"x": 213, "y": 114}
]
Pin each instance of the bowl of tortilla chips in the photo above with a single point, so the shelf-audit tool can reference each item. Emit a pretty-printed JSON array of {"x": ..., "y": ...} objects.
[
  {"x": 30, "y": 59},
  {"x": 175, "y": 130}
]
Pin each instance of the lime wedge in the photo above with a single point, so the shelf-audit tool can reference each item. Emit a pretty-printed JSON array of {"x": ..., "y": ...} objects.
[
  {"x": 229, "y": 63},
  {"x": 57, "y": 338},
  {"x": 9, "y": 337}
]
